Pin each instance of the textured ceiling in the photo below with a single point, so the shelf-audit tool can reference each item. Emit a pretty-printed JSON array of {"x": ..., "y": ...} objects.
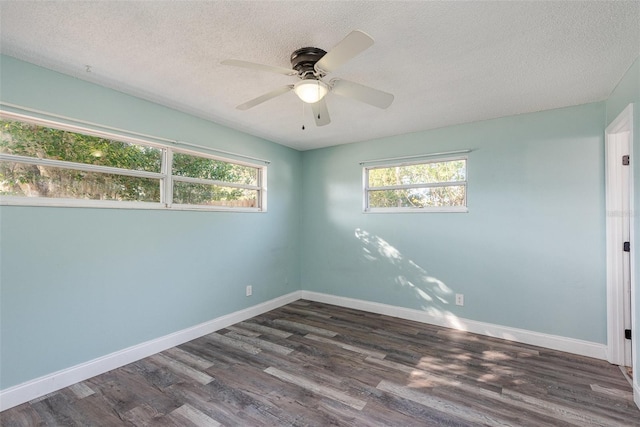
[{"x": 445, "y": 62}]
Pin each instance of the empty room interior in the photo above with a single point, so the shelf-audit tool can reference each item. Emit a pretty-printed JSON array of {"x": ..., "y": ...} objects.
[{"x": 319, "y": 213}]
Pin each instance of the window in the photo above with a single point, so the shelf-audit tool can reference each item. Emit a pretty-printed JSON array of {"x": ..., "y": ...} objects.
[
  {"x": 436, "y": 185},
  {"x": 204, "y": 181},
  {"x": 58, "y": 166}
]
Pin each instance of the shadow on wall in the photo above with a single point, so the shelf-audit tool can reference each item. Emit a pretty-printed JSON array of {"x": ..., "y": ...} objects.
[{"x": 434, "y": 295}]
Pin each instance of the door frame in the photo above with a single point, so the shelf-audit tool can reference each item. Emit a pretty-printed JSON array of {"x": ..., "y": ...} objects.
[{"x": 615, "y": 215}]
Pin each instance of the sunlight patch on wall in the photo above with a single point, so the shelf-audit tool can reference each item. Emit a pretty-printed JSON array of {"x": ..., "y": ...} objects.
[{"x": 406, "y": 274}]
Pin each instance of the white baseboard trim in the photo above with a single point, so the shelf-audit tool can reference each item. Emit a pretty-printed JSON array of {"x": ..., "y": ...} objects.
[
  {"x": 555, "y": 342},
  {"x": 30, "y": 390}
]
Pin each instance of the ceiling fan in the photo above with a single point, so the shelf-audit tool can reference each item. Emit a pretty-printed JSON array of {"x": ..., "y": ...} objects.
[{"x": 311, "y": 65}]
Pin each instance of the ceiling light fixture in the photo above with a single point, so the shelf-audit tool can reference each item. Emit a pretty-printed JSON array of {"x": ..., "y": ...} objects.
[{"x": 311, "y": 90}]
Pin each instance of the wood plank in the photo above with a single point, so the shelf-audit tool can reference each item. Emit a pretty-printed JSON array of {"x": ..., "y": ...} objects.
[
  {"x": 142, "y": 415},
  {"x": 206, "y": 401},
  {"x": 95, "y": 407},
  {"x": 367, "y": 352},
  {"x": 288, "y": 403},
  {"x": 81, "y": 390},
  {"x": 581, "y": 417},
  {"x": 264, "y": 329},
  {"x": 58, "y": 409},
  {"x": 188, "y": 358},
  {"x": 22, "y": 415},
  {"x": 239, "y": 345},
  {"x": 180, "y": 368},
  {"x": 192, "y": 415},
  {"x": 239, "y": 404},
  {"x": 302, "y": 327},
  {"x": 125, "y": 388},
  {"x": 317, "y": 388},
  {"x": 623, "y": 394},
  {"x": 305, "y": 312},
  {"x": 263, "y": 344},
  {"x": 440, "y": 404},
  {"x": 243, "y": 331}
]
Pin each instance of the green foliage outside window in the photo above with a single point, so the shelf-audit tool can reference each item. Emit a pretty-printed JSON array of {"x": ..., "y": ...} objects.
[
  {"x": 200, "y": 194},
  {"x": 187, "y": 165},
  {"x": 30, "y": 140},
  {"x": 217, "y": 170},
  {"x": 432, "y": 184}
]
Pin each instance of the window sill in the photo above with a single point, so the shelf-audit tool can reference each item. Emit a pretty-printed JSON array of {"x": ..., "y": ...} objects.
[
  {"x": 108, "y": 204},
  {"x": 450, "y": 209}
]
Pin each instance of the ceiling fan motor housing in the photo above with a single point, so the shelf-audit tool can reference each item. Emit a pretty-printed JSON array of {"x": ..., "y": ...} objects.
[{"x": 303, "y": 60}]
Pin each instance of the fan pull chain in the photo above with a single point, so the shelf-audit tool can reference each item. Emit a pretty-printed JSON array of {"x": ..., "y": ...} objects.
[
  {"x": 303, "y": 116},
  {"x": 318, "y": 98}
]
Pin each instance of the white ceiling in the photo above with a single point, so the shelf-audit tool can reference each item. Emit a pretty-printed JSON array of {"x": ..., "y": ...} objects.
[{"x": 445, "y": 62}]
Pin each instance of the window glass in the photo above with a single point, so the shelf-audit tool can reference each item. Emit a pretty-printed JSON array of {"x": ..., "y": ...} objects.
[
  {"x": 418, "y": 174},
  {"x": 213, "y": 195},
  {"x": 436, "y": 185},
  {"x": 205, "y": 168},
  {"x": 418, "y": 197},
  {"x": 25, "y": 139},
  {"x": 25, "y": 180}
]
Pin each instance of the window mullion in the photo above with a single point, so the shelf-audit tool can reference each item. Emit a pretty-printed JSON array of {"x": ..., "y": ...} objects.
[
  {"x": 166, "y": 189},
  {"x": 262, "y": 182},
  {"x": 365, "y": 186}
]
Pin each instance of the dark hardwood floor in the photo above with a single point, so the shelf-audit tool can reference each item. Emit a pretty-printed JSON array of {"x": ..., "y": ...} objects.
[{"x": 312, "y": 364}]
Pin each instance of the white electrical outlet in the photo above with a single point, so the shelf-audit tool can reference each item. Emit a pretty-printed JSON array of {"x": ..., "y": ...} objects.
[
  {"x": 459, "y": 299},
  {"x": 249, "y": 290}
]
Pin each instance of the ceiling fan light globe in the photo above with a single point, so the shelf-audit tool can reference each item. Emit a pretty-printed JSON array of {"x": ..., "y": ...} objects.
[{"x": 311, "y": 90}]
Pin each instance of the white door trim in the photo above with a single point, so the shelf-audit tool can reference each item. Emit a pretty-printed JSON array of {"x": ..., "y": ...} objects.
[{"x": 618, "y": 141}]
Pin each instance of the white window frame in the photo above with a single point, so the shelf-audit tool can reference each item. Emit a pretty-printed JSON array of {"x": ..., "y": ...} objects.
[
  {"x": 260, "y": 186},
  {"x": 166, "y": 179},
  {"x": 366, "y": 189}
]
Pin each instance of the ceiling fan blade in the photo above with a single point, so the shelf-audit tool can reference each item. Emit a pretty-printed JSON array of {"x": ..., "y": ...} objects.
[
  {"x": 267, "y": 96},
  {"x": 321, "y": 113},
  {"x": 355, "y": 42},
  {"x": 362, "y": 93},
  {"x": 261, "y": 67}
]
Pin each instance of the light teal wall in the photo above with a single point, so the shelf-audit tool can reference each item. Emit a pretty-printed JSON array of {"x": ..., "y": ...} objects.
[
  {"x": 77, "y": 284},
  {"x": 626, "y": 92},
  {"x": 529, "y": 254}
]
